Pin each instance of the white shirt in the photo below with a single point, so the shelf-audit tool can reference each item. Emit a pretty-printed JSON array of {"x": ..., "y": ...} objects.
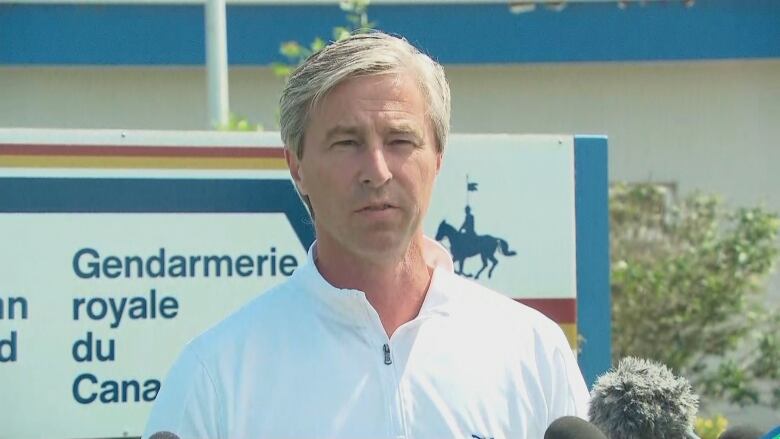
[{"x": 307, "y": 360}]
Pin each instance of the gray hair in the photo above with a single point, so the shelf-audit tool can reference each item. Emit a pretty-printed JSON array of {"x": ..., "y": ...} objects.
[{"x": 365, "y": 54}]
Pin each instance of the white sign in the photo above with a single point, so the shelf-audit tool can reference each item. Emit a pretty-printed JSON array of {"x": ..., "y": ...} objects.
[{"x": 111, "y": 259}]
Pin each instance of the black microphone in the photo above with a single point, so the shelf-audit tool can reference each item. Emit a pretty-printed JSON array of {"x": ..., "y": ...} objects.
[
  {"x": 164, "y": 435},
  {"x": 642, "y": 399},
  {"x": 741, "y": 432},
  {"x": 572, "y": 427}
]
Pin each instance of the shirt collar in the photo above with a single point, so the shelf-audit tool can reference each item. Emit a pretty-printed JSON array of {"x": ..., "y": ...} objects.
[{"x": 350, "y": 305}]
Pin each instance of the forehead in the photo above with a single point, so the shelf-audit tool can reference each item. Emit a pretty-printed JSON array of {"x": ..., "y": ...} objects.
[{"x": 396, "y": 94}]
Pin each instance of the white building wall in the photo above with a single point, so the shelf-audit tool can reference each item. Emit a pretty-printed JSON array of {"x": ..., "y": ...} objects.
[
  {"x": 709, "y": 125},
  {"x": 706, "y": 125}
]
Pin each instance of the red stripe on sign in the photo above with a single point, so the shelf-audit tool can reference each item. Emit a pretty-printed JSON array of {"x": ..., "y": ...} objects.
[
  {"x": 559, "y": 310},
  {"x": 141, "y": 151}
]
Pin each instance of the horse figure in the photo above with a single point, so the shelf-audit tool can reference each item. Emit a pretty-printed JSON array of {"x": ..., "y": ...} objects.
[{"x": 464, "y": 246}]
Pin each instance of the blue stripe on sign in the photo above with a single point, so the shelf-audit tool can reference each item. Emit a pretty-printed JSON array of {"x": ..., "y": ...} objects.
[
  {"x": 143, "y": 34},
  {"x": 130, "y": 195},
  {"x": 594, "y": 312}
]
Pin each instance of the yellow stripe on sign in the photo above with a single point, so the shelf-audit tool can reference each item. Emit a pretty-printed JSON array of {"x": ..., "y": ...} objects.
[
  {"x": 26, "y": 161},
  {"x": 570, "y": 330}
]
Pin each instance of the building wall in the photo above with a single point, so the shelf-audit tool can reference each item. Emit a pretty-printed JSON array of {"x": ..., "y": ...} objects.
[{"x": 708, "y": 125}]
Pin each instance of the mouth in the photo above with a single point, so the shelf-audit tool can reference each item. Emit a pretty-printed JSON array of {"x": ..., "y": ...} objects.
[{"x": 376, "y": 207}]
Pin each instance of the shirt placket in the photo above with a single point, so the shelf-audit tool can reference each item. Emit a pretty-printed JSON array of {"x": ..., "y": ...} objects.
[{"x": 388, "y": 374}]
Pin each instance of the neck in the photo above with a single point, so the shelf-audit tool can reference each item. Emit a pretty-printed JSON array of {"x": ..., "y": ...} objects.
[{"x": 395, "y": 287}]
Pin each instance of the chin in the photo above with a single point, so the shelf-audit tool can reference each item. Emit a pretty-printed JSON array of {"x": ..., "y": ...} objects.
[{"x": 384, "y": 247}]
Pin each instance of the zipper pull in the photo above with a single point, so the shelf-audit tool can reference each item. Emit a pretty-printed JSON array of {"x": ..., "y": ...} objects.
[{"x": 386, "y": 348}]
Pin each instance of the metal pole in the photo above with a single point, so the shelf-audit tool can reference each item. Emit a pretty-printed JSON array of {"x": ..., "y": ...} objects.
[{"x": 216, "y": 62}]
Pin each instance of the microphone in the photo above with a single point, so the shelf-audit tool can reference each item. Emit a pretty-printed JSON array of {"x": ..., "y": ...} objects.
[
  {"x": 642, "y": 399},
  {"x": 741, "y": 432},
  {"x": 572, "y": 427},
  {"x": 164, "y": 435}
]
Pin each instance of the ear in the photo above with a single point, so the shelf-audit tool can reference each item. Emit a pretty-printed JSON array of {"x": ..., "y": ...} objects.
[
  {"x": 296, "y": 172},
  {"x": 439, "y": 158}
]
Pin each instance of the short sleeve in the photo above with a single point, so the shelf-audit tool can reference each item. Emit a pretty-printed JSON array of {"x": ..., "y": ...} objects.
[{"x": 188, "y": 403}]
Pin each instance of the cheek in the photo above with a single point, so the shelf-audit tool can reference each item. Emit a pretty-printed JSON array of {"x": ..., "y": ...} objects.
[
  {"x": 420, "y": 177},
  {"x": 311, "y": 178},
  {"x": 325, "y": 186},
  {"x": 427, "y": 173}
]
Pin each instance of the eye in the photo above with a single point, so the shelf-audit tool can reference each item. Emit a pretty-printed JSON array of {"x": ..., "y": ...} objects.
[
  {"x": 402, "y": 142},
  {"x": 345, "y": 143}
]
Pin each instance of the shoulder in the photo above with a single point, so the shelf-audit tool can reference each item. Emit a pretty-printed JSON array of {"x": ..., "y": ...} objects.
[
  {"x": 188, "y": 402},
  {"x": 529, "y": 340},
  {"x": 250, "y": 325},
  {"x": 258, "y": 319},
  {"x": 205, "y": 375},
  {"x": 476, "y": 301}
]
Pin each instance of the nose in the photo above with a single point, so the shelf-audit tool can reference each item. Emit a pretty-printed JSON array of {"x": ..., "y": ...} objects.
[{"x": 375, "y": 171}]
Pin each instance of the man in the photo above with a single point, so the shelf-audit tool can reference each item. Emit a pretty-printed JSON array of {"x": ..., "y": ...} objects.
[
  {"x": 375, "y": 336},
  {"x": 468, "y": 224}
]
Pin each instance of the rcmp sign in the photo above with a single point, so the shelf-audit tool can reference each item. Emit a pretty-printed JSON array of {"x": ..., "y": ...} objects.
[{"x": 118, "y": 247}]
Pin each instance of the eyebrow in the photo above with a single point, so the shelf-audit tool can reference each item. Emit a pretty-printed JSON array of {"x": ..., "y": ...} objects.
[
  {"x": 341, "y": 130},
  {"x": 405, "y": 128},
  {"x": 349, "y": 130}
]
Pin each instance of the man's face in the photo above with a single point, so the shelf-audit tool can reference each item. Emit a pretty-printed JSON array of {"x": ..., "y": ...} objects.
[{"x": 368, "y": 165}]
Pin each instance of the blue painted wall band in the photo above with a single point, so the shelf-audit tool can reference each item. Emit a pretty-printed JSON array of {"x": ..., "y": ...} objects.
[{"x": 121, "y": 34}]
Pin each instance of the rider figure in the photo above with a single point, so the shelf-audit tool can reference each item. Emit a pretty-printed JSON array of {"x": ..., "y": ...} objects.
[{"x": 468, "y": 223}]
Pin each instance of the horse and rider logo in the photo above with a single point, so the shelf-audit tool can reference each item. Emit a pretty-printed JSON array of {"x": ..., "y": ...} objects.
[{"x": 465, "y": 243}]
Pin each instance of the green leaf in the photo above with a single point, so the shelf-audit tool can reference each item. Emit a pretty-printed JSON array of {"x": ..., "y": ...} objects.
[
  {"x": 340, "y": 33},
  {"x": 317, "y": 45},
  {"x": 290, "y": 49},
  {"x": 281, "y": 70},
  {"x": 239, "y": 123}
]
